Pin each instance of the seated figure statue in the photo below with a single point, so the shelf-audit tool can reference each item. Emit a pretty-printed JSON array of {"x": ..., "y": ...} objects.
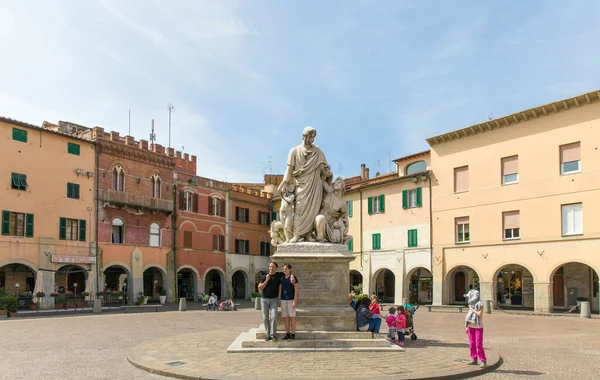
[{"x": 332, "y": 222}]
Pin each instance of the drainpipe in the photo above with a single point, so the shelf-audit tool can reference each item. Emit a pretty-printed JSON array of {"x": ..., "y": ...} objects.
[
  {"x": 430, "y": 227},
  {"x": 97, "y": 159},
  {"x": 361, "y": 228},
  {"x": 174, "y": 239}
]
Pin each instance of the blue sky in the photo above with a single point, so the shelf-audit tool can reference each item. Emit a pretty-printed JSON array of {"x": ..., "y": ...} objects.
[{"x": 375, "y": 78}]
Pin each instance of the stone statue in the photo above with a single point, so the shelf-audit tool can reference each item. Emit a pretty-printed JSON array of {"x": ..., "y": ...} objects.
[
  {"x": 332, "y": 222},
  {"x": 305, "y": 165},
  {"x": 310, "y": 208}
]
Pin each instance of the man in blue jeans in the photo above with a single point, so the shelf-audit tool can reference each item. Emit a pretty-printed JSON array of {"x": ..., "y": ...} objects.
[{"x": 270, "y": 296}]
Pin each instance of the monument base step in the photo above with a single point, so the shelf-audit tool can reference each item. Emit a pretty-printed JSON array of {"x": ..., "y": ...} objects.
[{"x": 253, "y": 341}]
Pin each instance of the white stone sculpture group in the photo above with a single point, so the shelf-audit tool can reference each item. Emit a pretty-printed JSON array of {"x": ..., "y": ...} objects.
[{"x": 312, "y": 208}]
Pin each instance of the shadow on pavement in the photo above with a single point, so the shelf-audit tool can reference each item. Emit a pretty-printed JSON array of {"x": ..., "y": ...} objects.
[{"x": 435, "y": 343}]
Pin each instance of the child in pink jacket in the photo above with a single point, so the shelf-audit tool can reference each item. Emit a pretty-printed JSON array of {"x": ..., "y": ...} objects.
[{"x": 400, "y": 325}]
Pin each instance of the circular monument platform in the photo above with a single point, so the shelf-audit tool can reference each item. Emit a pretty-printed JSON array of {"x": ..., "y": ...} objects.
[{"x": 202, "y": 356}]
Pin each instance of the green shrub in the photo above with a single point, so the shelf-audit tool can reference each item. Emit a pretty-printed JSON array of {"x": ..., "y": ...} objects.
[
  {"x": 361, "y": 296},
  {"x": 8, "y": 302},
  {"x": 255, "y": 295},
  {"x": 163, "y": 292},
  {"x": 583, "y": 299}
]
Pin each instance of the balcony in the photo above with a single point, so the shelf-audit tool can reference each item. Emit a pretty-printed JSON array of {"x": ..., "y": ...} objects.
[{"x": 121, "y": 198}]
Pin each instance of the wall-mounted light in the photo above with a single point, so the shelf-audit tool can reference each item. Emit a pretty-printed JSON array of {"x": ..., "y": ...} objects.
[
  {"x": 90, "y": 174},
  {"x": 414, "y": 179},
  {"x": 79, "y": 172},
  {"x": 424, "y": 178}
]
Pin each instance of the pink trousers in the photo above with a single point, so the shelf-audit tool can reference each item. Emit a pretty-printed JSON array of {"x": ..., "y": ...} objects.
[{"x": 476, "y": 343}]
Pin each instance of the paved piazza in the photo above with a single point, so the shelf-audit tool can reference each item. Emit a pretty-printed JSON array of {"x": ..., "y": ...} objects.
[{"x": 97, "y": 347}]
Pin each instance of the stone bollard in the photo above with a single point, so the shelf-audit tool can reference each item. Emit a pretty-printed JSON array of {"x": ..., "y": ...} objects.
[
  {"x": 584, "y": 308},
  {"x": 488, "y": 306},
  {"x": 257, "y": 303},
  {"x": 404, "y": 301},
  {"x": 182, "y": 304},
  {"x": 97, "y": 307}
]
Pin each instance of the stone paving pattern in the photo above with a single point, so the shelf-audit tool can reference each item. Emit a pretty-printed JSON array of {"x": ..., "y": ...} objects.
[{"x": 96, "y": 347}]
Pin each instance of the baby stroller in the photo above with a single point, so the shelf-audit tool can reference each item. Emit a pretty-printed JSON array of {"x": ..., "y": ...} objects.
[
  {"x": 410, "y": 325},
  {"x": 227, "y": 305}
]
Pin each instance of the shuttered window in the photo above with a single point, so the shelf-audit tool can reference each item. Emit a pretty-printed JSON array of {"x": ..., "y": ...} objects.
[
  {"x": 510, "y": 170},
  {"x": 18, "y": 181},
  {"x": 376, "y": 241},
  {"x": 17, "y": 224},
  {"x": 72, "y": 190},
  {"x": 19, "y": 135},
  {"x": 351, "y": 246},
  {"x": 73, "y": 148},
  {"x": 187, "y": 239},
  {"x": 413, "y": 239},
  {"x": 349, "y": 207},
  {"x": 511, "y": 223},
  {"x": 376, "y": 204},
  {"x": 570, "y": 158},
  {"x": 461, "y": 179}
]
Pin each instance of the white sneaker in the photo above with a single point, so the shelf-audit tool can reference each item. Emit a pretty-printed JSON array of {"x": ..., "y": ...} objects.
[{"x": 483, "y": 365}]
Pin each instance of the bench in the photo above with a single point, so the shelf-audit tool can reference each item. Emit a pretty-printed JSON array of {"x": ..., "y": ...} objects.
[
  {"x": 235, "y": 306},
  {"x": 452, "y": 307},
  {"x": 126, "y": 308}
]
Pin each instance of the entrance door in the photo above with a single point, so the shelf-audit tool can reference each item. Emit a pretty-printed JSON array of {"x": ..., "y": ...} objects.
[
  {"x": 558, "y": 291},
  {"x": 459, "y": 286}
]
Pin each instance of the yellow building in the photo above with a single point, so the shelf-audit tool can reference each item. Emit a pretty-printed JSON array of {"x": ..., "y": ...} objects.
[
  {"x": 47, "y": 208},
  {"x": 515, "y": 207}
]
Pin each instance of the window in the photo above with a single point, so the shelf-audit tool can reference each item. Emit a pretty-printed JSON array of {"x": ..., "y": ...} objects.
[
  {"x": 72, "y": 229},
  {"x": 188, "y": 201},
  {"x": 218, "y": 243},
  {"x": 412, "y": 198},
  {"x": 216, "y": 206},
  {"x": 19, "y": 135},
  {"x": 413, "y": 240},
  {"x": 416, "y": 167},
  {"x": 118, "y": 177},
  {"x": 351, "y": 246},
  {"x": 72, "y": 190},
  {"x": 510, "y": 170},
  {"x": 511, "y": 222},
  {"x": 18, "y": 181},
  {"x": 242, "y": 214},
  {"x": 155, "y": 235},
  {"x": 242, "y": 246},
  {"x": 155, "y": 185},
  {"x": 73, "y": 148},
  {"x": 462, "y": 230},
  {"x": 117, "y": 236},
  {"x": 570, "y": 158},
  {"x": 572, "y": 219},
  {"x": 349, "y": 207},
  {"x": 264, "y": 218},
  {"x": 265, "y": 248},
  {"x": 461, "y": 179},
  {"x": 376, "y": 241},
  {"x": 275, "y": 215},
  {"x": 17, "y": 224},
  {"x": 376, "y": 204},
  {"x": 187, "y": 239}
]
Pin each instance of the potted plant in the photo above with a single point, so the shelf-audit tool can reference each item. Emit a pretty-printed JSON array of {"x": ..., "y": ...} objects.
[
  {"x": 40, "y": 294},
  {"x": 140, "y": 300},
  {"x": 8, "y": 304},
  {"x": 162, "y": 296},
  {"x": 254, "y": 296}
]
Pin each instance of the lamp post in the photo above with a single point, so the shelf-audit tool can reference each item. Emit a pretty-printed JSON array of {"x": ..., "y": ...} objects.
[
  {"x": 75, "y": 287},
  {"x": 17, "y": 286}
]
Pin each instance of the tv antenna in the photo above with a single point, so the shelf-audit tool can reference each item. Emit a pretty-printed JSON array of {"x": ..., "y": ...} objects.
[
  {"x": 171, "y": 109},
  {"x": 340, "y": 168},
  {"x": 270, "y": 165},
  {"x": 152, "y": 135}
]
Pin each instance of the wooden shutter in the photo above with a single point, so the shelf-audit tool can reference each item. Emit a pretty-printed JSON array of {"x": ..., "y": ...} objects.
[
  {"x": 222, "y": 208},
  {"x": 211, "y": 209},
  {"x": 247, "y": 247},
  {"x": 215, "y": 239},
  {"x": 29, "y": 225},
  {"x": 370, "y": 205},
  {"x": 419, "y": 196},
  {"x": 350, "y": 246},
  {"x": 62, "y": 229},
  {"x": 349, "y": 206},
  {"x": 181, "y": 200},
  {"x": 247, "y": 216},
  {"x": 76, "y": 191},
  {"x": 273, "y": 216},
  {"x": 6, "y": 220},
  {"x": 82, "y": 230},
  {"x": 237, "y": 214},
  {"x": 221, "y": 243},
  {"x": 382, "y": 203},
  {"x": 195, "y": 203},
  {"x": 187, "y": 239}
]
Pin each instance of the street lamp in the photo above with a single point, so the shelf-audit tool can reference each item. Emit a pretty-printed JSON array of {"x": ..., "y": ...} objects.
[
  {"x": 75, "y": 286},
  {"x": 17, "y": 286}
]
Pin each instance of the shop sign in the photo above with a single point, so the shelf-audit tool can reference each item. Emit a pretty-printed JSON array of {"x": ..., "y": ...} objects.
[
  {"x": 425, "y": 278},
  {"x": 73, "y": 259}
]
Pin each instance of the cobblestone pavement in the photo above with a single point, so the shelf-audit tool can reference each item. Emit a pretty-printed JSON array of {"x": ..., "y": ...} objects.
[{"x": 95, "y": 347}]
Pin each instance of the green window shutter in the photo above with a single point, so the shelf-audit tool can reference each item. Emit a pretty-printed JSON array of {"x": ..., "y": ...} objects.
[
  {"x": 82, "y": 230},
  {"x": 382, "y": 203},
  {"x": 349, "y": 206},
  {"x": 14, "y": 179},
  {"x": 76, "y": 191},
  {"x": 350, "y": 246},
  {"x": 413, "y": 240},
  {"x": 370, "y": 205},
  {"x": 19, "y": 135},
  {"x": 28, "y": 225},
  {"x": 273, "y": 216},
  {"x": 73, "y": 148},
  {"x": 5, "y": 222},
  {"x": 376, "y": 241},
  {"x": 62, "y": 229},
  {"x": 419, "y": 196},
  {"x": 69, "y": 190},
  {"x": 404, "y": 198}
]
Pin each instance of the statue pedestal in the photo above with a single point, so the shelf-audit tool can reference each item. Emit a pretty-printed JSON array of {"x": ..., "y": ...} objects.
[{"x": 323, "y": 282}]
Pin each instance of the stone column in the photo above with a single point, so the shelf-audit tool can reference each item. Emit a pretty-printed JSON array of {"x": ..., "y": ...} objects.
[
  {"x": 324, "y": 280},
  {"x": 486, "y": 291},
  {"x": 366, "y": 272},
  {"x": 542, "y": 297},
  {"x": 438, "y": 272},
  {"x": 137, "y": 272},
  {"x": 171, "y": 280},
  {"x": 400, "y": 278}
]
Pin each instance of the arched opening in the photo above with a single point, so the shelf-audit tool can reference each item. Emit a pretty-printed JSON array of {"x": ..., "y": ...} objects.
[
  {"x": 385, "y": 285},
  {"x": 213, "y": 283},
  {"x": 186, "y": 284},
  {"x": 260, "y": 275},
  {"x": 416, "y": 167},
  {"x": 238, "y": 282},
  {"x": 356, "y": 282},
  {"x": 116, "y": 278},
  {"x": 514, "y": 287},
  {"x": 155, "y": 235},
  {"x": 460, "y": 280},
  {"x": 420, "y": 288},
  {"x": 153, "y": 283},
  {"x": 117, "y": 231},
  {"x": 573, "y": 283},
  {"x": 18, "y": 280},
  {"x": 67, "y": 276}
]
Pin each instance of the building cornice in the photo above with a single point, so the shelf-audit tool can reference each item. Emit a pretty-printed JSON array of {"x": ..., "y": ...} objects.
[
  {"x": 518, "y": 117},
  {"x": 136, "y": 154},
  {"x": 35, "y": 127}
]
